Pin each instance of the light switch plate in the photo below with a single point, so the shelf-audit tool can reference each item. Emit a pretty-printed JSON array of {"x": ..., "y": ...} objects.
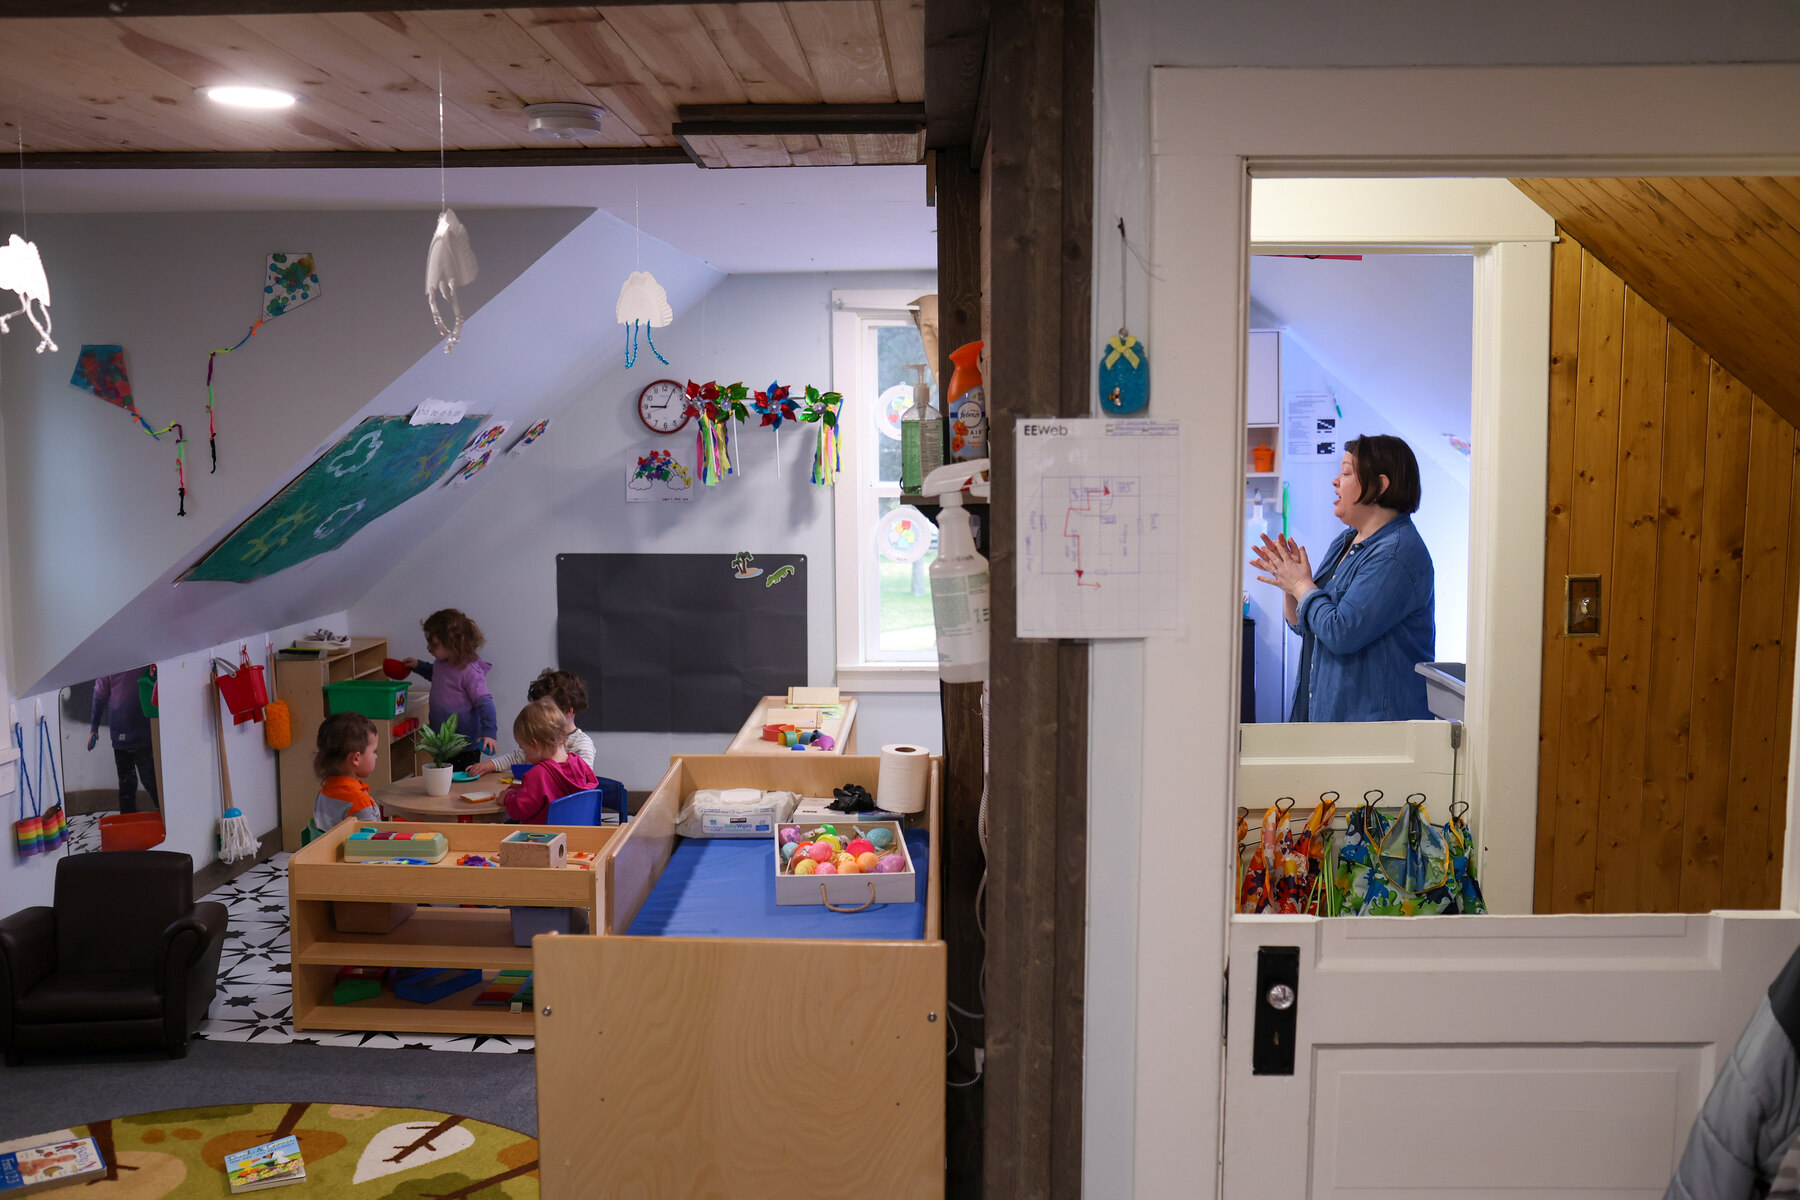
[{"x": 1581, "y": 605}]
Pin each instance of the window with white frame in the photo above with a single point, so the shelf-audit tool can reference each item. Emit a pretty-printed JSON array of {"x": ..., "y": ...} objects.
[{"x": 885, "y": 547}]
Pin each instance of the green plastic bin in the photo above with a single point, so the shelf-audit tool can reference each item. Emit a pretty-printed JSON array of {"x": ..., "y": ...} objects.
[{"x": 380, "y": 699}]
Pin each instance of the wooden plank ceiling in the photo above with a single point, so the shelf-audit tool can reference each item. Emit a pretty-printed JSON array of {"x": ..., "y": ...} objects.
[
  {"x": 368, "y": 81},
  {"x": 1720, "y": 257}
]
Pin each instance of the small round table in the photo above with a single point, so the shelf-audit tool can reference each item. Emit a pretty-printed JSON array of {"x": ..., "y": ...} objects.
[{"x": 408, "y": 801}]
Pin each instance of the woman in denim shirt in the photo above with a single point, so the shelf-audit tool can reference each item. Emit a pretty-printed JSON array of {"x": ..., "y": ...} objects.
[{"x": 1366, "y": 618}]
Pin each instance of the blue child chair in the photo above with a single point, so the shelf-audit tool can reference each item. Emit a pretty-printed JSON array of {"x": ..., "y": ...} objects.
[{"x": 583, "y": 808}]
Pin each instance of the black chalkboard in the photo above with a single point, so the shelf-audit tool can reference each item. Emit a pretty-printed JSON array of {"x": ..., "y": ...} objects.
[{"x": 680, "y": 643}]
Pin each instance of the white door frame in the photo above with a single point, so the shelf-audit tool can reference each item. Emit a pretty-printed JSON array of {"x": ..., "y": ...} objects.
[{"x": 1210, "y": 127}]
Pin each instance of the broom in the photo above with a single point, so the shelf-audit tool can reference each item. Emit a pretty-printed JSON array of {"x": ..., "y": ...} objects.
[{"x": 235, "y": 839}]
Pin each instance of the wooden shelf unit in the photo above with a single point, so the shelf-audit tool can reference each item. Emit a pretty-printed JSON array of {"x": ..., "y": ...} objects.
[
  {"x": 300, "y": 682},
  {"x": 432, "y": 936}
]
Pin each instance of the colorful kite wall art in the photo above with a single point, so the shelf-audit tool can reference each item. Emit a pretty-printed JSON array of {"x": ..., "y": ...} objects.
[
  {"x": 101, "y": 371},
  {"x": 375, "y": 468},
  {"x": 289, "y": 280}
]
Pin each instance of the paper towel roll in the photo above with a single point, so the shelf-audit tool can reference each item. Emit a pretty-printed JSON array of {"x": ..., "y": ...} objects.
[{"x": 904, "y": 779}]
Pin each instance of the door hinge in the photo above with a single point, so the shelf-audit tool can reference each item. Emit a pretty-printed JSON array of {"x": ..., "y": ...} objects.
[{"x": 1225, "y": 1006}]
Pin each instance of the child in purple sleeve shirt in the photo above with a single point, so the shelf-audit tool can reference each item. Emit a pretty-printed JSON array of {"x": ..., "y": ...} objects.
[{"x": 459, "y": 686}]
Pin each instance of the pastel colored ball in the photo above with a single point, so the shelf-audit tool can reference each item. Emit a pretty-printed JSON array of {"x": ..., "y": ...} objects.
[
  {"x": 840, "y": 858},
  {"x": 831, "y": 829},
  {"x": 819, "y": 852},
  {"x": 881, "y": 838},
  {"x": 860, "y": 846},
  {"x": 827, "y": 869},
  {"x": 831, "y": 839},
  {"x": 805, "y": 866},
  {"x": 790, "y": 834},
  {"x": 849, "y": 867},
  {"x": 867, "y": 861},
  {"x": 787, "y": 851},
  {"x": 890, "y": 863}
]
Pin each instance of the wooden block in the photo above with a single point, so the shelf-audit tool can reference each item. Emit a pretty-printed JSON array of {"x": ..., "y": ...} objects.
[
  {"x": 528, "y": 848},
  {"x": 812, "y": 696}
]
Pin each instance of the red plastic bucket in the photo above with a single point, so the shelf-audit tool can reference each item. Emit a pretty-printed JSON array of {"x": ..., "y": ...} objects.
[
  {"x": 131, "y": 831},
  {"x": 245, "y": 694}
]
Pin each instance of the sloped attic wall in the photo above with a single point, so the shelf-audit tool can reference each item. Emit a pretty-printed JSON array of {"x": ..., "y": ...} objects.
[
  {"x": 531, "y": 351},
  {"x": 91, "y": 500}
]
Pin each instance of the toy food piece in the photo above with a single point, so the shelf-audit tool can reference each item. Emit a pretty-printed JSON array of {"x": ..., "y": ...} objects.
[
  {"x": 866, "y": 862},
  {"x": 827, "y": 869},
  {"x": 882, "y": 838},
  {"x": 805, "y": 866},
  {"x": 891, "y": 863},
  {"x": 860, "y": 846}
]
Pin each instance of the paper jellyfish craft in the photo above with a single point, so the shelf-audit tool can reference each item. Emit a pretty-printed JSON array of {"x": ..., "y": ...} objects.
[
  {"x": 449, "y": 265},
  {"x": 22, "y": 274},
  {"x": 642, "y": 302}
]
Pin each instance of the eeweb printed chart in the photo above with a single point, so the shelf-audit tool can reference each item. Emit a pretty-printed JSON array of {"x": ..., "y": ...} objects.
[{"x": 1099, "y": 529}]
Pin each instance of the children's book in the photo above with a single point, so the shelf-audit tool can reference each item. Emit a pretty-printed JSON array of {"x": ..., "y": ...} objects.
[
  {"x": 50, "y": 1165},
  {"x": 272, "y": 1164}
]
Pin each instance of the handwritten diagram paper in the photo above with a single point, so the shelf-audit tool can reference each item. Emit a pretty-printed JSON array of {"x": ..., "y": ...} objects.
[{"x": 1099, "y": 528}]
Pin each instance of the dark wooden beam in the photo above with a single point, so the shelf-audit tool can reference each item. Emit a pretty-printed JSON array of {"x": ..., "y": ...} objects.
[
  {"x": 959, "y": 322},
  {"x": 1042, "y": 175},
  {"x": 726, "y": 120},
  {"x": 956, "y": 38},
  {"x": 308, "y": 160},
  {"x": 252, "y": 8}
]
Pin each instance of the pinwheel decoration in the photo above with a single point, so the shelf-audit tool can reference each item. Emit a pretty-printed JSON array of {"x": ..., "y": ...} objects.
[
  {"x": 774, "y": 406},
  {"x": 822, "y": 409}
]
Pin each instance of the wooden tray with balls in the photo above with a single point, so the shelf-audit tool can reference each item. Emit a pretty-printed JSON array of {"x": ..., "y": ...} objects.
[{"x": 845, "y": 865}]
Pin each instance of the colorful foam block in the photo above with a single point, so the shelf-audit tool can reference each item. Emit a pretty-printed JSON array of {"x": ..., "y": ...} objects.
[
  {"x": 366, "y": 844},
  {"x": 432, "y": 983}
]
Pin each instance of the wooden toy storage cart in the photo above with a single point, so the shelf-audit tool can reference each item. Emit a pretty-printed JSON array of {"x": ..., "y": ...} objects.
[
  {"x": 675, "y": 1066},
  {"x": 437, "y": 934}
]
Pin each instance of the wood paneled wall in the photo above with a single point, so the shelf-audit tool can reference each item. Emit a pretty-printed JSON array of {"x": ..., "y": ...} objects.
[{"x": 1664, "y": 741}]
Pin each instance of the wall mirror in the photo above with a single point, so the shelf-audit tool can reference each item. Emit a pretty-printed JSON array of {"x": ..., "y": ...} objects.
[{"x": 111, "y": 760}]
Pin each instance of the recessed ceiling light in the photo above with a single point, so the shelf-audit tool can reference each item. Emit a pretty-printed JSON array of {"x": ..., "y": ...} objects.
[
  {"x": 562, "y": 120},
  {"x": 249, "y": 97}
]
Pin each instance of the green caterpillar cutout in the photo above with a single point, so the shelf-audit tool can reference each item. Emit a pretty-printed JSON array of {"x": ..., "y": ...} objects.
[{"x": 780, "y": 574}]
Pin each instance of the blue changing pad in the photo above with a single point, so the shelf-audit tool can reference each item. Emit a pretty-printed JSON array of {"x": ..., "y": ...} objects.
[{"x": 725, "y": 888}]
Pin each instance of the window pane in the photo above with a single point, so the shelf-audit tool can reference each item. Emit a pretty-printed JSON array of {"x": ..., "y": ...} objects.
[
  {"x": 904, "y": 598},
  {"x": 895, "y": 347}
]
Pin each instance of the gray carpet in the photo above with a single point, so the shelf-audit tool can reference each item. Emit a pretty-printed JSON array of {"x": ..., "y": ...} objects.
[{"x": 56, "y": 1092}]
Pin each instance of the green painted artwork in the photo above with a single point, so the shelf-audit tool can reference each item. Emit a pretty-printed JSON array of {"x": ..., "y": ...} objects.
[{"x": 378, "y": 466}]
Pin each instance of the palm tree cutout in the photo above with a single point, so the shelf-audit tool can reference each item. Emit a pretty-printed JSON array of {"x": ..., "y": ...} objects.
[{"x": 740, "y": 563}]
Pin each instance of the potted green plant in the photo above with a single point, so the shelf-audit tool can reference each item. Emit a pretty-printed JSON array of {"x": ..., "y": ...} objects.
[{"x": 440, "y": 745}]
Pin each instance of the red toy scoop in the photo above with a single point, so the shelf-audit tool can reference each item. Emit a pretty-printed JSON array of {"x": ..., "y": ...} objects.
[{"x": 393, "y": 668}]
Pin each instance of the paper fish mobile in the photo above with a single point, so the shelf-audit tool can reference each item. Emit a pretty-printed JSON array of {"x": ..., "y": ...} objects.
[
  {"x": 449, "y": 265},
  {"x": 289, "y": 281},
  {"x": 22, "y": 274},
  {"x": 642, "y": 302}
]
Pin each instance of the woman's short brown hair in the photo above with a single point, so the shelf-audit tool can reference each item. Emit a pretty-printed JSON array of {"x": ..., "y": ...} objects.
[
  {"x": 539, "y": 723},
  {"x": 1378, "y": 454},
  {"x": 340, "y": 736},
  {"x": 452, "y": 629},
  {"x": 564, "y": 687}
]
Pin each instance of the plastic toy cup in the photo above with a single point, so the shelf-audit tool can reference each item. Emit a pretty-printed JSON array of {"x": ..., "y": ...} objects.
[{"x": 519, "y": 770}]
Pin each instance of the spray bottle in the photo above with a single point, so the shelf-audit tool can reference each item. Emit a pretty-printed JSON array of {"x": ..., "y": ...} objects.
[
  {"x": 959, "y": 576},
  {"x": 921, "y": 434},
  {"x": 965, "y": 404}
]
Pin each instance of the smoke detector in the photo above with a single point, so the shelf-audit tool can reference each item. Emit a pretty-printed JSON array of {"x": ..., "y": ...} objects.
[{"x": 563, "y": 120}]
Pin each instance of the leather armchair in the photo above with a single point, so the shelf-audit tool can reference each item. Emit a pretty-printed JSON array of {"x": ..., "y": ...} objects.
[{"x": 123, "y": 958}]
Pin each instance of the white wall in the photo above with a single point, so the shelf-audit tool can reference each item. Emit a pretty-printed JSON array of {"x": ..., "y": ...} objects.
[
  {"x": 1134, "y": 35},
  {"x": 91, "y": 498},
  {"x": 569, "y": 497},
  {"x": 192, "y": 788}
]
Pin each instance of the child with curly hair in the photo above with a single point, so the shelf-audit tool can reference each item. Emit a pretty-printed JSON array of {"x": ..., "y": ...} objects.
[
  {"x": 554, "y": 773},
  {"x": 571, "y": 698},
  {"x": 459, "y": 686}
]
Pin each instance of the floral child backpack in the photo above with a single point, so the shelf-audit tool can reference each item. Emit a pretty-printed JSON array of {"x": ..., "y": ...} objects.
[
  {"x": 1284, "y": 871},
  {"x": 1403, "y": 865}
]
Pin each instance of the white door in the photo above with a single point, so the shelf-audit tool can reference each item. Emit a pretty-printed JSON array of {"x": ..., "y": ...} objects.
[
  {"x": 1497, "y": 1056},
  {"x": 1465, "y": 1057}
]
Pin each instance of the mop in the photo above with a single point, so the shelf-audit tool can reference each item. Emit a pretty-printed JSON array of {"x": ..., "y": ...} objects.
[{"x": 235, "y": 839}]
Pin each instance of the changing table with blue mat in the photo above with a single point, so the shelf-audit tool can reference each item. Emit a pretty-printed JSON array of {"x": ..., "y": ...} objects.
[{"x": 707, "y": 1032}]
